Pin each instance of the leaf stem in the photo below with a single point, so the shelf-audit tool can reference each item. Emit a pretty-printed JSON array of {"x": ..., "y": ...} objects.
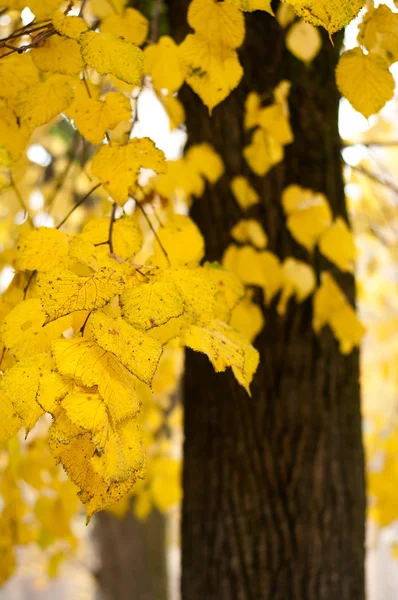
[
  {"x": 110, "y": 236},
  {"x": 22, "y": 202},
  {"x": 77, "y": 205},
  {"x": 163, "y": 249}
]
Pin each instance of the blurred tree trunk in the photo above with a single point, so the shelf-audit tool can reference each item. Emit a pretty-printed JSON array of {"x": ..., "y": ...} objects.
[
  {"x": 132, "y": 557},
  {"x": 274, "y": 484}
]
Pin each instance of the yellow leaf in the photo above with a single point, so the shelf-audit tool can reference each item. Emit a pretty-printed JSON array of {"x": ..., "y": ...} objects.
[
  {"x": 27, "y": 71},
  {"x": 285, "y": 15},
  {"x": 247, "y": 317},
  {"x": 13, "y": 137},
  {"x": 298, "y": 280},
  {"x": 63, "y": 292},
  {"x": 40, "y": 103},
  {"x": 229, "y": 290},
  {"x": 180, "y": 182},
  {"x": 330, "y": 14},
  {"x": 304, "y": 41},
  {"x": 182, "y": 241},
  {"x": 378, "y": 32},
  {"x": 118, "y": 167},
  {"x": 105, "y": 8},
  {"x": 152, "y": 304},
  {"x": 250, "y": 231},
  {"x": 10, "y": 423},
  {"x": 91, "y": 365},
  {"x": 43, "y": 249},
  {"x": 20, "y": 384},
  {"x": 211, "y": 71},
  {"x": 127, "y": 235},
  {"x": 338, "y": 245},
  {"x": 122, "y": 456},
  {"x": 130, "y": 25},
  {"x": 252, "y": 5},
  {"x": 139, "y": 353},
  {"x": 275, "y": 122},
  {"x": 79, "y": 454},
  {"x": 23, "y": 329},
  {"x": 220, "y": 23},
  {"x": 245, "y": 195},
  {"x": 174, "y": 109},
  {"x": 224, "y": 347},
  {"x": 332, "y": 308},
  {"x": 198, "y": 290},
  {"x": 206, "y": 161},
  {"x": 162, "y": 63},
  {"x": 69, "y": 26},
  {"x": 252, "y": 110},
  {"x": 58, "y": 55},
  {"x": 165, "y": 484},
  {"x": 263, "y": 153},
  {"x": 53, "y": 387},
  {"x": 109, "y": 54},
  {"x": 308, "y": 214},
  {"x": 88, "y": 411},
  {"x": 365, "y": 80},
  {"x": 262, "y": 269},
  {"x": 94, "y": 117}
]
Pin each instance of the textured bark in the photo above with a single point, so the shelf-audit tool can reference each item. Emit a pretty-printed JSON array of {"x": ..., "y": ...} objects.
[
  {"x": 132, "y": 557},
  {"x": 274, "y": 484}
]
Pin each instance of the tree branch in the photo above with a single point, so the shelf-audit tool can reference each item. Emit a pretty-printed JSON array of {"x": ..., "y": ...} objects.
[{"x": 77, "y": 205}]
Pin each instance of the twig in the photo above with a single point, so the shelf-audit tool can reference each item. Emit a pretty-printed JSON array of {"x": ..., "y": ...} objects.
[
  {"x": 86, "y": 84},
  {"x": 62, "y": 178},
  {"x": 110, "y": 236},
  {"x": 83, "y": 4},
  {"x": 25, "y": 290},
  {"x": 22, "y": 202},
  {"x": 153, "y": 230},
  {"x": 33, "y": 44},
  {"x": 375, "y": 178},
  {"x": 82, "y": 328},
  {"x": 72, "y": 210},
  {"x": 20, "y": 33},
  {"x": 157, "y": 9},
  {"x": 157, "y": 216}
]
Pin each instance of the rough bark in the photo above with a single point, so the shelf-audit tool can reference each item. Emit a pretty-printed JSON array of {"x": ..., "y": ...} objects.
[
  {"x": 132, "y": 557},
  {"x": 274, "y": 484}
]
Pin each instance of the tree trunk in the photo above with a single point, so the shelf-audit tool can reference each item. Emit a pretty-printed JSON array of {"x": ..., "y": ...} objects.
[
  {"x": 132, "y": 557},
  {"x": 274, "y": 484}
]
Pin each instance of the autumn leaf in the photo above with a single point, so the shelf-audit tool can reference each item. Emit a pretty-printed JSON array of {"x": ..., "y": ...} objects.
[
  {"x": 63, "y": 292},
  {"x": 118, "y": 167}
]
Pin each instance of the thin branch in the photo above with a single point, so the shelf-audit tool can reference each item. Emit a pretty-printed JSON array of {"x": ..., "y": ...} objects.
[
  {"x": 20, "y": 33},
  {"x": 157, "y": 9},
  {"x": 25, "y": 290},
  {"x": 62, "y": 178},
  {"x": 86, "y": 84},
  {"x": 33, "y": 44},
  {"x": 375, "y": 178},
  {"x": 163, "y": 249},
  {"x": 83, "y": 4},
  {"x": 157, "y": 216},
  {"x": 110, "y": 236},
  {"x": 72, "y": 210},
  {"x": 82, "y": 328},
  {"x": 22, "y": 202},
  {"x": 2, "y": 356}
]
